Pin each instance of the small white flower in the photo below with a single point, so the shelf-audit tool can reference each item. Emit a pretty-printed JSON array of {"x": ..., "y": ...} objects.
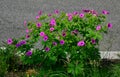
[{"x": 3, "y": 48}]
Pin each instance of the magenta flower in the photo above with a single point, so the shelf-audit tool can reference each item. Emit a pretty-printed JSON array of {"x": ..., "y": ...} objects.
[
  {"x": 69, "y": 14},
  {"x": 18, "y": 45},
  {"x": 63, "y": 34},
  {"x": 49, "y": 15},
  {"x": 75, "y": 12},
  {"x": 45, "y": 38},
  {"x": 81, "y": 15},
  {"x": 40, "y": 12},
  {"x": 54, "y": 43},
  {"x": 52, "y": 22},
  {"x": 109, "y": 25},
  {"x": 22, "y": 42},
  {"x": 93, "y": 11},
  {"x": 25, "y": 22},
  {"x": 51, "y": 29},
  {"x": 29, "y": 53},
  {"x": 42, "y": 34},
  {"x": 81, "y": 43},
  {"x": 47, "y": 49},
  {"x": 62, "y": 42},
  {"x": 37, "y": 17},
  {"x": 98, "y": 27},
  {"x": 105, "y": 12},
  {"x": 9, "y": 41},
  {"x": 70, "y": 17},
  {"x": 86, "y": 10},
  {"x": 56, "y": 11},
  {"x": 93, "y": 41},
  {"x": 27, "y": 30},
  {"x": 27, "y": 36},
  {"x": 38, "y": 24},
  {"x": 74, "y": 32}
]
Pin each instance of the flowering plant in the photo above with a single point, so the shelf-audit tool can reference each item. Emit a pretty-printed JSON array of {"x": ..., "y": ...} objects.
[{"x": 69, "y": 40}]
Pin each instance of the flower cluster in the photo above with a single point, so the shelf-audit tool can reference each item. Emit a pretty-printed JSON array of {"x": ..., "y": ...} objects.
[
  {"x": 52, "y": 22},
  {"x": 45, "y": 37},
  {"x": 62, "y": 32},
  {"x": 23, "y": 42}
]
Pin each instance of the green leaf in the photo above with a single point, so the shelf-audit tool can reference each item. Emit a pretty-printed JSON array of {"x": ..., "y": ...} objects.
[
  {"x": 79, "y": 69},
  {"x": 70, "y": 68}
]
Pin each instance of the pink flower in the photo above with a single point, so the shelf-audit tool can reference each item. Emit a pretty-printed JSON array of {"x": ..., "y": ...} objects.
[
  {"x": 47, "y": 49},
  {"x": 38, "y": 24},
  {"x": 105, "y": 12},
  {"x": 98, "y": 27},
  {"x": 37, "y": 17},
  {"x": 62, "y": 42},
  {"x": 9, "y": 41},
  {"x": 75, "y": 12},
  {"x": 29, "y": 53},
  {"x": 23, "y": 42},
  {"x": 54, "y": 43},
  {"x": 93, "y": 12},
  {"x": 86, "y": 10},
  {"x": 81, "y": 15},
  {"x": 51, "y": 29},
  {"x": 69, "y": 14},
  {"x": 40, "y": 12},
  {"x": 74, "y": 32},
  {"x": 56, "y": 11},
  {"x": 109, "y": 25},
  {"x": 63, "y": 34},
  {"x": 52, "y": 22},
  {"x": 25, "y": 22},
  {"x": 93, "y": 41},
  {"x": 81, "y": 43},
  {"x": 27, "y": 30},
  {"x": 27, "y": 36},
  {"x": 49, "y": 15},
  {"x": 42, "y": 34},
  {"x": 45, "y": 38},
  {"x": 70, "y": 17}
]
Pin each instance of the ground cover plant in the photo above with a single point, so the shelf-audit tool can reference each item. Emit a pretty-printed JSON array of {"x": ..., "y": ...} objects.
[{"x": 69, "y": 45}]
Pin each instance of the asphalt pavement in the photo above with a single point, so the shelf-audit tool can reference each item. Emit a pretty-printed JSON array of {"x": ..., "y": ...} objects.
[{"x": 14, "y": 12}]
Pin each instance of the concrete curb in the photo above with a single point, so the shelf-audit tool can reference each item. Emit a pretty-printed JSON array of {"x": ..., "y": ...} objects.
[{"x": 103, "y": 54}]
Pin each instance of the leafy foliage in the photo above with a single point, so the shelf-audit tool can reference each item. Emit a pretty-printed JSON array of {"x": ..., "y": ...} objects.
[{"x": 69, "y": 41}]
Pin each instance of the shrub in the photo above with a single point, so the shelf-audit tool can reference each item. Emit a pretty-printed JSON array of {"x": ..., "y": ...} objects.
[{"x": 69, "y": 41}]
